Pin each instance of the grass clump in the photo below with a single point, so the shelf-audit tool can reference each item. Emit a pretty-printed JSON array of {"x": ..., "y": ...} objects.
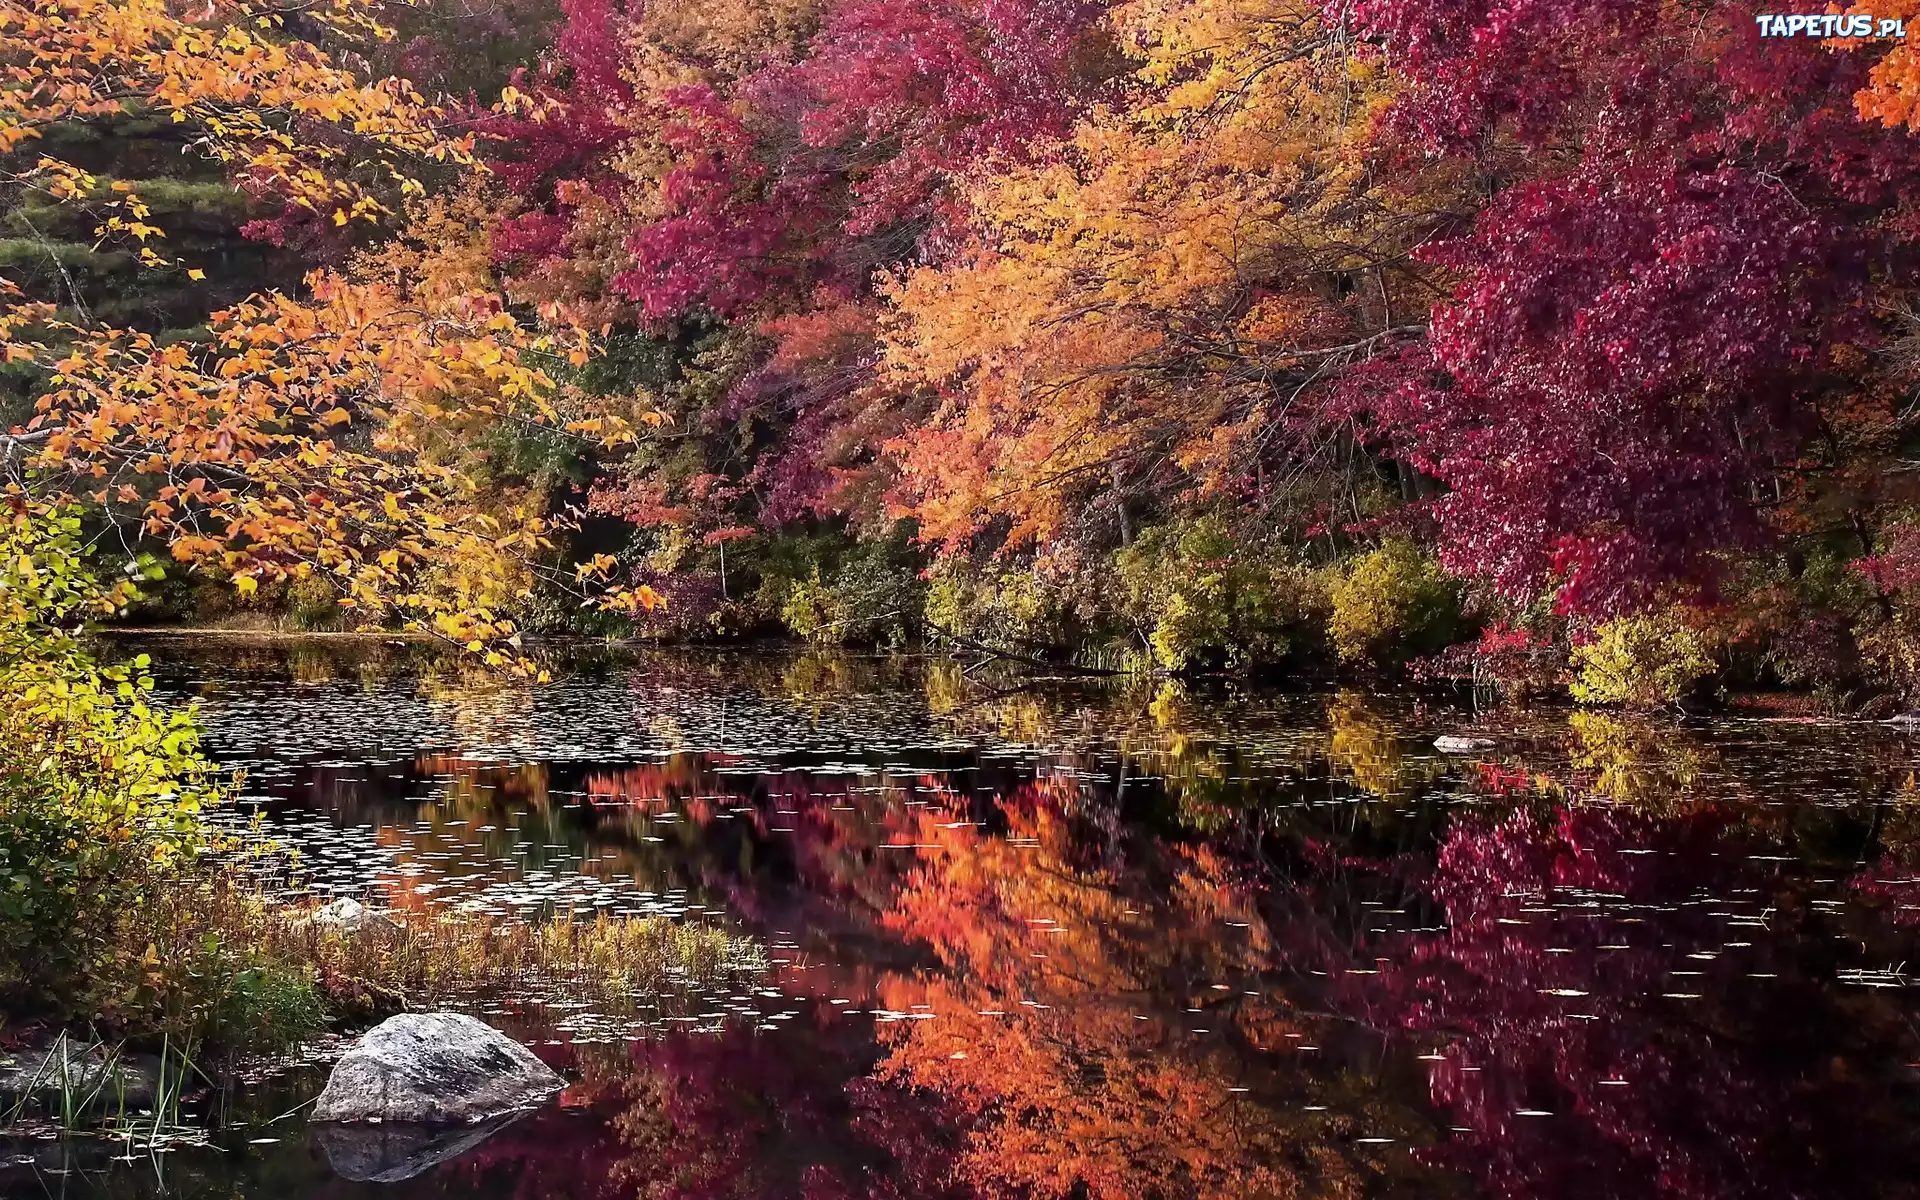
[{"x": 422, "y": 961}]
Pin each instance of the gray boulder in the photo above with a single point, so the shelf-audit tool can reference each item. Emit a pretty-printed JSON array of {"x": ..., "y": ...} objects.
[
  {"x": 434, "y": 1069},
  {"x": 1453, "y": 743}
]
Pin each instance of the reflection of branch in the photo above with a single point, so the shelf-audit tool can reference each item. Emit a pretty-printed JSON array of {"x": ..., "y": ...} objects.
[{"x": 993, "y": 694}]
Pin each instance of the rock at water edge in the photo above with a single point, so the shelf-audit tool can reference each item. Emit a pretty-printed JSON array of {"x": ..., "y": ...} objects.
[
  {"x": 88, "y": 1070},
  {"x": 434, "y": 1069}
]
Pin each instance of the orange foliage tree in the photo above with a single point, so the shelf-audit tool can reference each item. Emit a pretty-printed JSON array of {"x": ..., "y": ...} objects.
[
  {"x": 1145, "y": 307},
  {"x": 1892, "y": 93}
]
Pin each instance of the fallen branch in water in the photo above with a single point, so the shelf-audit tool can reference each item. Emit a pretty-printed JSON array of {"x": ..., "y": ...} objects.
[{"x": 967, "y": 643}]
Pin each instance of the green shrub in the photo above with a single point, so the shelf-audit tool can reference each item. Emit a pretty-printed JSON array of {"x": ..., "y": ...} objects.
[
  {"x": 1197, "y": 596},
  {"x": 193, "y": 955},
  {"x": 313, "y": 604},
  {"x": 1394, "y": 604},
  {"x": 97, "y": 787},
  {"x": 1018, "y": 608},
  {"x": 1642, "y": 662},
  {"x": 808, "y": 609},
  {"x": 871, "y": 599}
]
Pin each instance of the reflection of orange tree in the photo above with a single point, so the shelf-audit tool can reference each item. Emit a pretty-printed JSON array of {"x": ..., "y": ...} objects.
[
  {"x": 727, "y": 1117},
  {"x": 1050, "y": 1033},
  {"x": 1034, "y": 914},
  {"x": 476, "y": 796}
]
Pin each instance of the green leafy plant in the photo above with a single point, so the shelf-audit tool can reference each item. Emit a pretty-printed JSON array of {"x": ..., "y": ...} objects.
[
  {"x": 871, "y": 597},
  {"x": 1197, "y": 596},
  {"x": 98, "y": 786}
]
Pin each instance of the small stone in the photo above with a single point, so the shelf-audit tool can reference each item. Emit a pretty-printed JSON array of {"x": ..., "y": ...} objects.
[
  {"x": 350, "y": 917},
  {"x": 434, "y": 1069},
  {"x": 91, "y": 1070},
  {"x": 1452, "y": 743}
]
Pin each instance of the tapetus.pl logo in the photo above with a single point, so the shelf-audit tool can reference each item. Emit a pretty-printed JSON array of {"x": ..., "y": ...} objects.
[{"x": 1830, "y": 25}]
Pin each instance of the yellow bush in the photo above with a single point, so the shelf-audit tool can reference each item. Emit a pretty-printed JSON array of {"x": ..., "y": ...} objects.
[
  {"x": 1393, "y": 604},
  {"x": 1643, "y": 662}
]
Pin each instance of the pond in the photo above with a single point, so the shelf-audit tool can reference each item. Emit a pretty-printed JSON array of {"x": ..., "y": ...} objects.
[{"x": 1094, "y": 938}]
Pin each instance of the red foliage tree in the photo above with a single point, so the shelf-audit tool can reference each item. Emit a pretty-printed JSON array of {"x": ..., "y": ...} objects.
[{"x": 1685, "y": 228}]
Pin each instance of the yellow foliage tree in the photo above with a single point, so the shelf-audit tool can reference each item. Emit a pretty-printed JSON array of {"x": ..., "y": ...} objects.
[{"x": 294, "y": 441}]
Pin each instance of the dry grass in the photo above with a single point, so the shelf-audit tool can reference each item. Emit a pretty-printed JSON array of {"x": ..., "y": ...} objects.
[
  {"x": 422, "y": 961},
  {"x": 209, "y": 960}
]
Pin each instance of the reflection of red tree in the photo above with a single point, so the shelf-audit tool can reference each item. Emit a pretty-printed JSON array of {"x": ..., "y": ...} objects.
[
  {"x": 781, "y": 1115},
  {"x": 790, "y": 1116},
  {"x": 1554, "y": 990},
  {"x": 559, "y": 1153},
  {"x": 1038, "y": 929},
  {"x": 1892, "y": 882}
]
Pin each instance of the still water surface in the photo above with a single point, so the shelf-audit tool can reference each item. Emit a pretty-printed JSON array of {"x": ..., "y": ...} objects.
[{"x": 1085, "y": 939}]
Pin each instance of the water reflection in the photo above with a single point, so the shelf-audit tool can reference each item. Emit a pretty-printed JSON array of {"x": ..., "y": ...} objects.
[{"x": 1075, "y": 941}]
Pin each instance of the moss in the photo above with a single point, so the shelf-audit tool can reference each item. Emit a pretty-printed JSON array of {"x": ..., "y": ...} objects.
[{"x": 38, "y": 253}]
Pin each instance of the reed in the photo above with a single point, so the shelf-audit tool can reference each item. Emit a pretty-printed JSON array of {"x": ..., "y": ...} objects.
[{"x": 82, "y": 1086}]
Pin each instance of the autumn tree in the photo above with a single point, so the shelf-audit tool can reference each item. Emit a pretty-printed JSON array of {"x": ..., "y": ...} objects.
[
  {"x": 1147, "y": 311},
  {"x": 1661, "y": 308},
  {"x": 726, "y": 182},
  {"x": 294, "y": 440}
]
